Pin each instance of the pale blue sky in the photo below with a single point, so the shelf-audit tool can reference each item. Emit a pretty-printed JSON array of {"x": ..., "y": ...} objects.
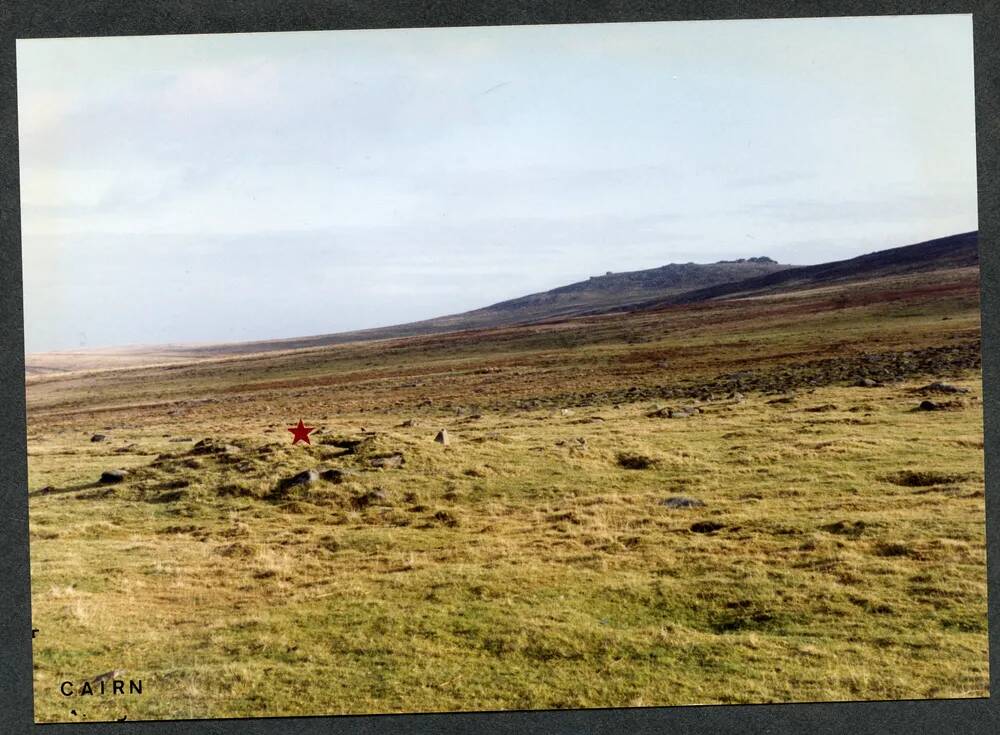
[{"x": 236, "y": 187}]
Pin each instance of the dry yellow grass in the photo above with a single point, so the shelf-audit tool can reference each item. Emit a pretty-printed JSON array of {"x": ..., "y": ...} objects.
[{"x": 839, "y": 554}]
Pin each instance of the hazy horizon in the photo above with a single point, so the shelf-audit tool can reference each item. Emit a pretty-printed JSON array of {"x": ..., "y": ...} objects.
[
  {"x": 240, "y": 187},
  {"x": 279, "y": 338}
]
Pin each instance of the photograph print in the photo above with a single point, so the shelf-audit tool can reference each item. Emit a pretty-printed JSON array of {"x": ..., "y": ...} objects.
[{"x": 503, "y": 368}]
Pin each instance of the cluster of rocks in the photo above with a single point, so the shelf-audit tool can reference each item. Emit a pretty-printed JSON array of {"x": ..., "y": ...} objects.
[
  {"x": 358, "y": 446},
  {"x": 243, "y": 457},
  {"x": 867, "y": 369},
  {"x": 363, "y": 445}
]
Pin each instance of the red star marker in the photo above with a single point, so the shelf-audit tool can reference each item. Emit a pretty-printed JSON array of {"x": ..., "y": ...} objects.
[{"x": 301, "y": 433}]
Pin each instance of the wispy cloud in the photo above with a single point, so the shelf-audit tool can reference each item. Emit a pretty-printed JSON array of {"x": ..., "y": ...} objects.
[{"x": 429, "y": 171}]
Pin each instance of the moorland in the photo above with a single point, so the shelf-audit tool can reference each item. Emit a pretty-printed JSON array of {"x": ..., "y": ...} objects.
[{"x": 772, "y": 491}]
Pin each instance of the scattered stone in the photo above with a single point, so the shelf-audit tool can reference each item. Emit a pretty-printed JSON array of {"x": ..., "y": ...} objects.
[
  {"x": 442, "y": 437},
  {"x": 182, "y": 439},
  {"x": 706, "y": 527},
  {"x": 845, "y": 529},
  {"x": 674, "y": 413},
  {"x": 205, "y": 446},
  {"x": 927, "y": 405},
  {"x": 352, "y": 446},
  {"x": 408, "y": 424},
  {"x": 303, "y": 478},
  {"x": 99, "y": 438},
  {"x": 111, "y": 476},
  {"x": 337, "y": 476},
  {"x": 939, "y": 387},
  {"x": 867, "y": 370},
  {"x": 632, "y": 461},
  {"x": 389, "y": 461},
  {"x": 679, "y": 501}
]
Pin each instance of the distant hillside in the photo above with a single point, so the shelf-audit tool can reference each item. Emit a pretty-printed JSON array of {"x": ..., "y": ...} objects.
[
  {"x": 654, "y": 288},
  {"x": 954, "y": 251},
  {"x": 618, "y": 290},
  {"x": 610, "y": 292},
  {"x": 675, "y": 283}
]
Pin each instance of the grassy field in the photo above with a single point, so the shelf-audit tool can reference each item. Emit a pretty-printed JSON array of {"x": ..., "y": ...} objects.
[{"x": 835, "y": 548}]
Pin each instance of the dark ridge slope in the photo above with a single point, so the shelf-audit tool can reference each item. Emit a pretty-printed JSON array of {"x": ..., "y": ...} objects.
[
  {"x": 954, "y": 251},
  {"x": 610, "y": 292}
]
